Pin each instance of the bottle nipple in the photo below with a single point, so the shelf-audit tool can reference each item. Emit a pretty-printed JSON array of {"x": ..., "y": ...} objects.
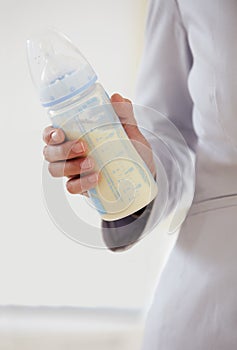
[{"x": 58, "y": 69}]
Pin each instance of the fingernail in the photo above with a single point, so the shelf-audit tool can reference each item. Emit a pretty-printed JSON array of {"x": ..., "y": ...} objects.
[
  {"x": 93, "y": 178},
  {"x": 78, "y": 147},
  {"x": 55, "y": 136},
  {"x": 87, "y": 164}
]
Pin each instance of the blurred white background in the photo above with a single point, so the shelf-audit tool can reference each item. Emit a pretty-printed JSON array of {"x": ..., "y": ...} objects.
[{"x": 38, "y": 264}]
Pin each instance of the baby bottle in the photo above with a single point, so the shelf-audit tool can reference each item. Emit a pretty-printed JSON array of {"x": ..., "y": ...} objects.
[{"x": 78, "y": 104}]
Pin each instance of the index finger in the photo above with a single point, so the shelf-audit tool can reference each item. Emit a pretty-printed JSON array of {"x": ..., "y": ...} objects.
[{"x": 53, "y": 136}]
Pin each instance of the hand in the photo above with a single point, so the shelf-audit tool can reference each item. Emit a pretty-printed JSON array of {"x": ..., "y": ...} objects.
[{"x": 69, "y": 158}]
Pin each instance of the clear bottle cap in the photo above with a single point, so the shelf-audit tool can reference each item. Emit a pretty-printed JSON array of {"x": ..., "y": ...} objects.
[{"x": 58, "y": 69}]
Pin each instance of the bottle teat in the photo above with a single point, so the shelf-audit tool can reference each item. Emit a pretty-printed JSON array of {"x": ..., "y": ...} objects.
[{"x": 58, "y": 69}]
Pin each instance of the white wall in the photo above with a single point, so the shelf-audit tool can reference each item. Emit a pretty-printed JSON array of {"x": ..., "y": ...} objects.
[{"x": 38, "y": 264}]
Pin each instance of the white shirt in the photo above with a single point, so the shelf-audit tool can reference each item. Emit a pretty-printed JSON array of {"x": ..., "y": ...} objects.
[{"x": 189, "y": 73}]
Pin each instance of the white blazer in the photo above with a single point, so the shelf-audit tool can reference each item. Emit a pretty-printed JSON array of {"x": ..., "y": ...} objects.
[{"x": 189, "y": 73}]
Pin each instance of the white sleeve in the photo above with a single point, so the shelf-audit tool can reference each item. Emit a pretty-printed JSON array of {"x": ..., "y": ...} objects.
[
  {"x": 163, "y": 87},
  {"x": 166, "y": 62}
]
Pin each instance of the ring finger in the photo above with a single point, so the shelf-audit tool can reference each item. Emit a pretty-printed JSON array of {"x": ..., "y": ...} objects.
[{"x": 71, "y": 167}]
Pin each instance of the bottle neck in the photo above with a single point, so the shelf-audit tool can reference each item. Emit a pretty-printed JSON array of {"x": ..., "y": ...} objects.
[{"x": 71, "y": 101}]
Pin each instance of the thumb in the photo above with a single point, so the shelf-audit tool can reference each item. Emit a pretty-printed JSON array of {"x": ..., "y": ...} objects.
[{"x": 124, "y": 109}]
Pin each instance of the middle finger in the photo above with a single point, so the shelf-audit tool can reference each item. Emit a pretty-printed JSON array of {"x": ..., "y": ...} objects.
[{"x": 66, "y": 150}]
